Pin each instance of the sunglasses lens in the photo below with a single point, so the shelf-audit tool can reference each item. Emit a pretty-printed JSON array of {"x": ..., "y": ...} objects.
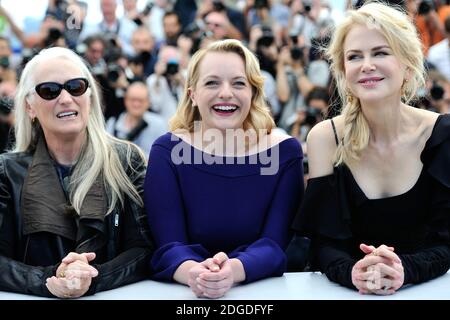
[
  {"x": 51, "y": 90},
  {"x": 48, "y": 91},
  {"x": 76, "y": 87}
]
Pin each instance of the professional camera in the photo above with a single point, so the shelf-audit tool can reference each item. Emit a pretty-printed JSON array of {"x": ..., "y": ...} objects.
[
  {"x": 436, "y": 91},
  {"x": 297, "y": 53},
  {"x": 425, "y": 7},
  {"x": 114, "y": 72},
  {"x": 307, "y": 6},
  {"x": 53, "y": 35},
  {"x": 312, "y": 116},
  {"x": 172, "y": 67},
  {"x": 267, "y": 37},
  {"x": 218, "y": 5},
  {"x": 6, "y": 106}
]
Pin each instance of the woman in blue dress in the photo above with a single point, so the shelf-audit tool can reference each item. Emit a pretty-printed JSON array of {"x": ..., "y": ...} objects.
[{"x": 222, "y": 187}]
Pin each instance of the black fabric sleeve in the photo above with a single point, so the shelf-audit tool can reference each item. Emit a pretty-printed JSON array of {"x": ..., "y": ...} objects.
[
  {"x": 433, "y": 259},
  {"x": 324, "y": 218},
  {"x": 16, "y": 276},
  {"x": 426, "y": 264},
  {"x": 334, "y": 259}
]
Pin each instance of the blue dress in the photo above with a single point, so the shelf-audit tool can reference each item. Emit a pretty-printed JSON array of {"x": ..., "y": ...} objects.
[{"x": 196, "y": 210}]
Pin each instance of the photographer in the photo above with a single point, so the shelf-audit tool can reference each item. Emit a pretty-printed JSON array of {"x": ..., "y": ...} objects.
[
  {"x": 137, "y": 124},
  {"x": 439, "y": 54},
  {"x": 222, "y": 20},
  {"x": 122, "y": 29},
  {"x": 71, "y": 15},
  {"x": 262, "y": 42},
  {"x": 6, "y": 73},
  {"x": 143, "y": 45},
  {"x": 315, "y": 111},
  {"x": 438, "y": 97},
  {"x": 166, "y": 84},
  {"x": 292, "y": 82},
  {"x": 172, "y": 28},
  {"x": 303, "y": 20},
  {"x": 108, "y": 70},
  {"x": 259, "y": 12}
]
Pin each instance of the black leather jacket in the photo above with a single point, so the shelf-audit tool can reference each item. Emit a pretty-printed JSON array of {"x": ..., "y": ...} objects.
[{"x": 122, "y": 242}]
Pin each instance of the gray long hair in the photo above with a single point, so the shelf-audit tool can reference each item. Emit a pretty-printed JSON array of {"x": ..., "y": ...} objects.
[{"x": 98, "y": 155}]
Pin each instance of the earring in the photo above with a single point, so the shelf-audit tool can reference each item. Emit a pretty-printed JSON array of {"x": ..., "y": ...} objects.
[
  {"x": 350, "y": 97},
  {"x": 403, "y": 88},
  {"x": 33, "y": 120}
]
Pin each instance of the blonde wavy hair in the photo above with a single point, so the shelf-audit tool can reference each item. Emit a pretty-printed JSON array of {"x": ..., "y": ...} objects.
[
  {"x": 401, "y": 35},
  {"x": 259, "y": 116},
  {"x": 98, "y": 155}
]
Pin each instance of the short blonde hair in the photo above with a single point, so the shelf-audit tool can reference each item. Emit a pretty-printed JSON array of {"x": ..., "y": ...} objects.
[
  {"x": 259, "y": 116},
  {"x": 401, "y": 35}
]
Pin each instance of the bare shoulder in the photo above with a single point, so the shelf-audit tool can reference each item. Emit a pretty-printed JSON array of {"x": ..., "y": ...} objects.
[
  {"x": 321, "y": 147},
  {"x": 426, "y": 121}
]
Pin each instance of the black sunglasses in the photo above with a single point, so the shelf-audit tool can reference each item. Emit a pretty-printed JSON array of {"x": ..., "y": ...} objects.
[{"x": 50, "y": 90}]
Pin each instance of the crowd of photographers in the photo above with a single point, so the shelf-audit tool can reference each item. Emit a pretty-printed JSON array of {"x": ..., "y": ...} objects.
[{"x": 153, "y": 46}]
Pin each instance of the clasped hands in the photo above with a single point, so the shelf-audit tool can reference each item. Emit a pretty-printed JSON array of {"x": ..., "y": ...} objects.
[
  {"x": 73, "y": 276},
  {"x": 379, "y": 272},
  {"x": 212, "y": 278}
]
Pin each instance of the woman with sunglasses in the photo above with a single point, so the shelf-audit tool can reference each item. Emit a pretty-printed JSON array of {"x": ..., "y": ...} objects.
[{"x": 71, "y": 210}]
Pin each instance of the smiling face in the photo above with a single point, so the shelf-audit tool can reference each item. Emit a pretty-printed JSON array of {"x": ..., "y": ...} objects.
[
  {"x": 223, "y": 93},
  {"x": 372, "y": 71},
  {"x": 66, "y": 116}
]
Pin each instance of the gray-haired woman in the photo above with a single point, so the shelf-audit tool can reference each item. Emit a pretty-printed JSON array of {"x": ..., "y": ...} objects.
[{"x": 71, "y": 211}]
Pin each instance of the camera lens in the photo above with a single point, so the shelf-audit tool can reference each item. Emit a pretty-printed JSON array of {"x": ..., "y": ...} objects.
[
  {"x": 437, "y": 92},
  {"x": 296, "y": 53},
  {"x": 172, "y": 68},
  {"x": 113, "y": 73}
]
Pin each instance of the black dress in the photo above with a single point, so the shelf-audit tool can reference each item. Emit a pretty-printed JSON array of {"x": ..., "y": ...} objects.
[{"x": 337, "y": 216}]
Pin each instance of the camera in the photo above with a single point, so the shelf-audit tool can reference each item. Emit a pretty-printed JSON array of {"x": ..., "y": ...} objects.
[
  {"x": 114, "y": 72},
  {"x": 296, "y": 53},
  {"x": 148, "y": 8},
  {"x": 436, "y": 91},
  {"x": 312, "y": 115},
  {"x": 261, "y": 4},
  {"x": 218, "y": 5},
  {"x": 267, "y": 37},
  {"x": 53, "y": 35},
  {"x": 172, "y": 67},
  {"x": 424, "y": 8},
  {"x": 6, "y": 106}
]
